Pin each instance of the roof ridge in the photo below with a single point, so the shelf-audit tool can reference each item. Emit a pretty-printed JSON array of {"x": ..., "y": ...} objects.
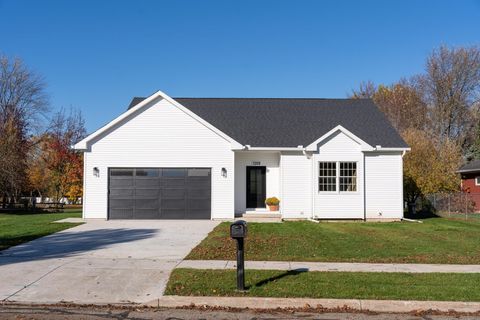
[{"x": 274, "y": 98}]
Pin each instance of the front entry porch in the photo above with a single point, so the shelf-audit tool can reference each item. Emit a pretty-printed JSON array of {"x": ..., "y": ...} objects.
[{"x": 257, "y": 177}]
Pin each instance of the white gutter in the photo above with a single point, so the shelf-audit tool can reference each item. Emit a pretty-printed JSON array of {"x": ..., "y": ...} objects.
[
  {"x": 299, "y": 148},
  {"x": 379, "y": 148}
]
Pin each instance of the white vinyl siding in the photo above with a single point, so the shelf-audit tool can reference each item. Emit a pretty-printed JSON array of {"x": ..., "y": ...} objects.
[
  {"x": 160, "y": 135},
  {"x": 296, "y": 188},
  {"x": 339, "y": 205},
  {"x": 384, "y": 185}
]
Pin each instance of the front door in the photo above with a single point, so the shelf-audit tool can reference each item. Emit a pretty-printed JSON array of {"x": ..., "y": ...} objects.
[{"x": 256, "y": 187}]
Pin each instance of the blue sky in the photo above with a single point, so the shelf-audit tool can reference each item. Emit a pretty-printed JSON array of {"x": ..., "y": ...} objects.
[{"x": 96, "y": 55}]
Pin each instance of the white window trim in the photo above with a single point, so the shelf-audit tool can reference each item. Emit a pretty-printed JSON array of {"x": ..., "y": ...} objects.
[
  {"x": 337, "y": 179},
  {"x": 477, "y": 181}
]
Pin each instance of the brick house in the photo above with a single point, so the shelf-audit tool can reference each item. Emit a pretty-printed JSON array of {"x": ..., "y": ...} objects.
[{"x": 470, "y": 174}]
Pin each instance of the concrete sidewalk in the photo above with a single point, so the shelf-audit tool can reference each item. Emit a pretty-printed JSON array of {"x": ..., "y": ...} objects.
[
  {"x": 398, "y": 306},
  {"x": 333, "y": 266}
]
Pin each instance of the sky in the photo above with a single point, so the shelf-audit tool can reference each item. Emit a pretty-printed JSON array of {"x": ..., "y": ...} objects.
[{"x": 96, "y": 55}]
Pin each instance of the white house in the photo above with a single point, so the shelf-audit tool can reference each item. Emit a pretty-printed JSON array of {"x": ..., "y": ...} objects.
[{"x": 214, "y": 158}]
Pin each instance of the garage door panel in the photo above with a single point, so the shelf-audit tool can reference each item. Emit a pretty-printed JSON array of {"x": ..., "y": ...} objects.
[
  {"x": 122, "y": 213},
  {"x": 121, "y": 183},
  {"x": 173, "y": 204},
  {"x": 160, "y": 193},
  {"x": 147, "y": 214},
  {"x": 147, "y": 183},
  {"x": 121, "y": 193},
  {"x": 122, "y": 203},
  {"x": 192, "y": 184},
  {"x": 198, "y": 214},
  {"x": 173, "y": 213},
  {"x": 198, "y": 193},
  {"x": 173, "y": 193},
  {"x": 172, "y": 182},
  {"x": 147, "y": 204},
  {"x": 203, "y": 204},
  {"x": 147, "y": 193}
]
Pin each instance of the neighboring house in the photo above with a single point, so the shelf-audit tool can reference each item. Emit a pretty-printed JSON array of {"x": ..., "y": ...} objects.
[
  {"x": 214, "y": 158},
  {"x": 470, "y": 174}
]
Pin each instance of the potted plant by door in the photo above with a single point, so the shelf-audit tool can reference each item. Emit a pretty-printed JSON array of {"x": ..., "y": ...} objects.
[{"x": 272, "y": 203}]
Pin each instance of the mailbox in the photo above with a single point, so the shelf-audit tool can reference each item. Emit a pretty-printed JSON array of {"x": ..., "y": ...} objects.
[
  {"x": 238, "y": 232},
  {"x": 238, "y": 229}
]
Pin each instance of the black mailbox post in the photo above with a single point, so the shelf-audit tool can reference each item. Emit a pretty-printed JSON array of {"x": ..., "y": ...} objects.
[{"x": 238, "y": 231}]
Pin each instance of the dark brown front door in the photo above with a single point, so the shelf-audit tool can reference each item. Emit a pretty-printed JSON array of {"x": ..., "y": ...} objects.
[{"x": 256, "y": 187}]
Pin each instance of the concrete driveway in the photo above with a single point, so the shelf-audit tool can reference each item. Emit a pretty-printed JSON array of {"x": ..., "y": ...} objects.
[{"x": 99, "y": 261}]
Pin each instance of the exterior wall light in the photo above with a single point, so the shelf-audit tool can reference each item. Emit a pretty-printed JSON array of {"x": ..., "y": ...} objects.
[
  {"x": 224, "y": 172},
  {"x": 96, "y": 172}
]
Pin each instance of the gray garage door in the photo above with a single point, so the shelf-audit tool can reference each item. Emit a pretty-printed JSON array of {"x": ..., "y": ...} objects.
[{"x": 159, "y": 193}]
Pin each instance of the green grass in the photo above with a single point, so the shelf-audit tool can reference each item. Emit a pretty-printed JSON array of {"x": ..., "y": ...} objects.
[
  {"x": 339, "y": 285},
  {"x": 437, "y": 240},
  {"x": 17, "y": 228}
]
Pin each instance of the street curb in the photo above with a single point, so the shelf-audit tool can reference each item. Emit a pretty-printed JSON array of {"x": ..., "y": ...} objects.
[{"x": 394, "y": 306}]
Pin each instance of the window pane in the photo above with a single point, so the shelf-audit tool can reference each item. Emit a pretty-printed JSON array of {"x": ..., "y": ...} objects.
[
  {"x": 147, "y": 173},
  {"x": 348, "y": 176},
  {"x": 121, "y": 172},
  {"x": 327, "y": 176},
  {"x": 174, "y": 172}
]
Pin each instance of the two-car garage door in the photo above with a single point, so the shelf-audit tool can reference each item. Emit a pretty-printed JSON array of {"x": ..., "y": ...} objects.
[{"x": 159, "y": 193}]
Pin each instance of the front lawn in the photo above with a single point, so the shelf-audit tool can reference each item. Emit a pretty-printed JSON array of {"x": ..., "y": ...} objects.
[
  {"x": 337, "y": 285},
  {"x": 437, "y": 240},
  {"x": 17, "y": 228}
]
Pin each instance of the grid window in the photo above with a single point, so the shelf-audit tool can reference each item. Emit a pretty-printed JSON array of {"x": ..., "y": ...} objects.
[
  {"x": 348, "y": 176},
  {"x": 327, "y": 176}
]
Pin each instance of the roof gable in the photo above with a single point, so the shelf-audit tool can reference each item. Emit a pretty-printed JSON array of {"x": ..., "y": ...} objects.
[{"x": 143, "y": 103}]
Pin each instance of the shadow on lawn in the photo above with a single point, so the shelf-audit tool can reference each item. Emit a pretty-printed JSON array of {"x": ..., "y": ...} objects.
[
  {"x": 288, "y": 273},
  {"x": 421, "y": 215}
]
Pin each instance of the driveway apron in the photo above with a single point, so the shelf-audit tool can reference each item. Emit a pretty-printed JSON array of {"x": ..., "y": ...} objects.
[{"x": 100, "y": 261}]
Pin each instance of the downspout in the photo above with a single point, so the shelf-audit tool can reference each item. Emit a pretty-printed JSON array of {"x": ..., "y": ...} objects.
[
  {"x": 364, "y": 189},
  {"x": 312, "y": 186}
]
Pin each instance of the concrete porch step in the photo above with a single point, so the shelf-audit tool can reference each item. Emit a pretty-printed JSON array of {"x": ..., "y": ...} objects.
[
  {"x": 261, "y": 220},
  {"x": 265, "y": 214},
  {"x": 260, "y": 216}
]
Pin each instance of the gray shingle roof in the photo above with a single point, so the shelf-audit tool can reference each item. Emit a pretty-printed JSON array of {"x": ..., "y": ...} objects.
[
  {"x": 472, "y": 166},
  {"x": 285, "y": 122}
]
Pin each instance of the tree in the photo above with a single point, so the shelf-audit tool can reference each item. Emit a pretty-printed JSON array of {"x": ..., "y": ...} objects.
[
  {"x": 65, "y": 165},
  {"x": 473, "y": 152},
  {"x": 429, "y": 167},
  {"x": 23, "y": 102},
  {"x": 402, "y": 105},
  {"x": 451, "y": 87},
  {"x": 37, "y": 171},
  {"x": 366, "y": 90},
  {"x": 13, "y": 148}
]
